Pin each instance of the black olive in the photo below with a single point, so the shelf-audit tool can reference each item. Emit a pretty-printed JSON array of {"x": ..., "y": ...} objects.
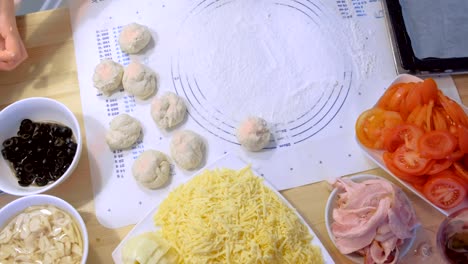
[
  {"x": 72, "y": 145},
  {"x": 41, "y": 181},
  {"x": 9, "y": 142},
  {"x": 54, "y": 129},
  {"x": 45, "y": 128},
  {"x": 40, "y": 150},
  {"x": 24, "y": 182},
  {"x": 39, "y": 132},
  {"x": 36, "y": 134},
  {"x": 12, "y": 155},
  {"x": 62, "y": 169},
  {"x": 61, "y": 154},
  {"x": 26, "y": 121},
  {"x": 55, "y": 175},
  {"x": 5, "y": 153},
  {"x": 28, "y": 168},
  {"x": 26, "y": 128},
  {"x": 71, "y": 153},
  {"x": 65, "y": 131},
  {"x": 25, "y": 179},
  {"x": 25, "y": 136},
  {"x": 59, "y": 142},
  {"x": 60, "y": 160}
]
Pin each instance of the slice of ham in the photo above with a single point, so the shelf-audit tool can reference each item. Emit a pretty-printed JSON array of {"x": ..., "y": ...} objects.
[
  {"x": 380, "y": 251},
  {"x": 350, "y": 245},
  {"x": 373, "y": 217},
  {"x": 390, "y": 245},
  {"x": 367, "y": 221},
  {"x": 384, "y": 232},
  {"x": 402, "y": 219},
  {"x": 347, "y": 219}
]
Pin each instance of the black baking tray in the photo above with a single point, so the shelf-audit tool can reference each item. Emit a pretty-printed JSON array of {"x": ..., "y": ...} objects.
[{"x": 406, "y": 57}]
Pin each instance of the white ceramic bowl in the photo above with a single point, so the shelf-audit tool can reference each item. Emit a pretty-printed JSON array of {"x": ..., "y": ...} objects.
[
  {"x": 331, "y": 204},
  {"x": 17, "y": 206},
  {"x": 37, "y": 109}
]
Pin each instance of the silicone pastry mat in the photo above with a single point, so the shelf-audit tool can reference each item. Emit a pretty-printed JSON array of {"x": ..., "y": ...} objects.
[{"x": 308, "y": 67}]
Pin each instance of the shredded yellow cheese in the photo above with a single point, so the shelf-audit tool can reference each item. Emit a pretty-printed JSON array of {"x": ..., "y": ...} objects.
[{"x": 227, "y": 216}]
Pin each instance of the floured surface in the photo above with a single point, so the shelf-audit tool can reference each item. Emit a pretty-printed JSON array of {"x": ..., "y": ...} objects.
[
  {"x": 307, "y": 67},
  {"x": 254, "y": 55}
]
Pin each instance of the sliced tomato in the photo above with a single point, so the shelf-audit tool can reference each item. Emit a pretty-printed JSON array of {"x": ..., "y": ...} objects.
[
  {"x": 454, "y": 110},
  {"x": 389, "y": 95},
  {"x": 461, "y": 170},
  {"x": 428, "y": 89},
  {"x": 444, "y": 190},
  {"x": 410, "y": 161},
  {"x": 463, "y": 138},
  {"x": 455, "y": 156},
  {"x": 404, "y": 134},
  {"x": 421, "y": 116},
  {"x": 451, "y": 172},
  {"x": 437, "y": 144},
  {"x": 419, "y": 187},
  {"x": 415, "y": 180},
  {"x": 438, "y": 119},
  {"x": 372, "y": 124},
  {"x": 428, "y": 124},
  {"x": 413, "y": 98},
  {"x": 397, "y": 98},
  {"x": 439, "y": 165},
  {"x": 416, "y": 114},
  {"x": 448, "y": 172},
  {"x": 420, "y": 94}
]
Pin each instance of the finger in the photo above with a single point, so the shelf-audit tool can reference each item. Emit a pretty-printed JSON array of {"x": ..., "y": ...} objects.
[
  {"x": 15, "y": 52},
  {"x": 13, "y": 44},
  {"x": 12, "y": 62},
  {"x": 2, "y": 43},
  {"x": 7, "y": 56},
  {"x": 6, "y": 66}
]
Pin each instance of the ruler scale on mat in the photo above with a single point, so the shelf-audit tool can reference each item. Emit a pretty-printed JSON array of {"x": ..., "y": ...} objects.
[{"x": 308, "y": 67}]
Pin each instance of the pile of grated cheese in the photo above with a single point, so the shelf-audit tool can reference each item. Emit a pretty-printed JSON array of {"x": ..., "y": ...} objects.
[{"x": 228, "y": 216}]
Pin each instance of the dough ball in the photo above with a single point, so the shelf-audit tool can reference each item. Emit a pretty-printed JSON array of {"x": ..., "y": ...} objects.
[
  {"x": 168, "y": 110},
  {"x": 108, "y": 76},
  {"x": 187, "y": 149},
  {"x": 151, "y": 169},
  {"x": 134, "y": 37},
  {"x": 253, "y": 134},
  {"x": 123, "y": 132},
  {"x": 139, "y": 80}
]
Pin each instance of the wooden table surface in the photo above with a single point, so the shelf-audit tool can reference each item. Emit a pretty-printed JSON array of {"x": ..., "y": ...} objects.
[{"x": 50, "y": 71}]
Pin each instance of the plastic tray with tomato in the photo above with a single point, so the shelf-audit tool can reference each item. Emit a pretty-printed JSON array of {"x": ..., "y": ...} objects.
[{"x": 420, "y": 137}]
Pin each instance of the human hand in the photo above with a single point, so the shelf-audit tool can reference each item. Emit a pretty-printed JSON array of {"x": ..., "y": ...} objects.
[{"x": 12, "y": 50}]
